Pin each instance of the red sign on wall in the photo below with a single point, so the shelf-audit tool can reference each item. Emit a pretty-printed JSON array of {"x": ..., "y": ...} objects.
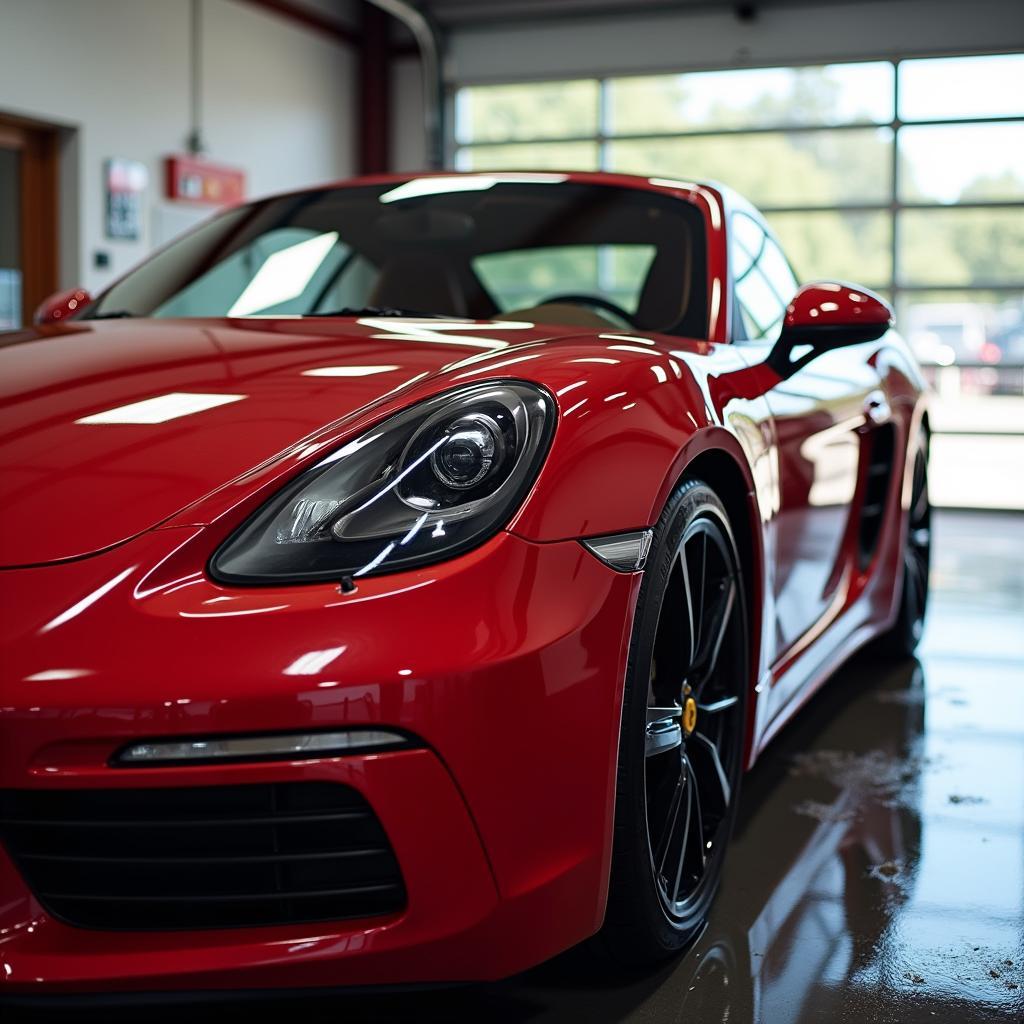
[{"x": 195, "y": 180}]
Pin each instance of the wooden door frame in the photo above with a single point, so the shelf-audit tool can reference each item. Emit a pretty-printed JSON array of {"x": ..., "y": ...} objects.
[{"x": 39, "y": 233}]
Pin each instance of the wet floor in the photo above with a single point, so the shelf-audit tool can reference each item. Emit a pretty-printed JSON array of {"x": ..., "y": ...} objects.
[{"x": 877, "y": 872}]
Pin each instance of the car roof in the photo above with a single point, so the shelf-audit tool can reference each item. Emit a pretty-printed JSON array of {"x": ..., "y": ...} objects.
[{"x": 679, "y": 186}]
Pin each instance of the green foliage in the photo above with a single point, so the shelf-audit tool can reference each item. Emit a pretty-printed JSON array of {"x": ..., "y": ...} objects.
[
  {"x": 839, "y": 245},
  {"x": 535, "y": 110},
  {"x": 771, "y": 169},
  {"x": 791, "y": 168},
  {"x": 961, "y": 247},
  {"x": 531, "y": 156}
]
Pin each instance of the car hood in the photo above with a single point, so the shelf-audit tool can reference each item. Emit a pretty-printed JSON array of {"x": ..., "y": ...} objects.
[{"x": 108, "y": 428}]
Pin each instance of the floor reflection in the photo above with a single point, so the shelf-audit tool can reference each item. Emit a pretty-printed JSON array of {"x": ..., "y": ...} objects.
[{"x": 877, "y": 872}]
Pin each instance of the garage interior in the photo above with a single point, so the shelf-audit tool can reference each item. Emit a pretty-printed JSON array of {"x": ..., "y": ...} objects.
[{"x": 877, "y": 871}]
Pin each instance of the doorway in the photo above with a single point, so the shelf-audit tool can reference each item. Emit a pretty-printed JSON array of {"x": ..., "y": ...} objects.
[{"x": 28, "y": 218}]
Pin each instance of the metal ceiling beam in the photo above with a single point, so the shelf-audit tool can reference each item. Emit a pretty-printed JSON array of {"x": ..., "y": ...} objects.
[
  {"x": 373, "y": 150},
  {"x": 308, "y": 18},
  {"x": 514, "y": 13},
  {"x": 429, "y": 41}
]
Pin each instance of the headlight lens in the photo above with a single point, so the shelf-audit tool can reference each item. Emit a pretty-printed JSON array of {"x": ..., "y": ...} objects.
[{"x": 424, "y": 485}]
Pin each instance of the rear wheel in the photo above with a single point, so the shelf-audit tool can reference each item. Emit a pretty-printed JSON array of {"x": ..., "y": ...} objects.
[
  {"x": 905, "y": 634},
  {"x": 680, "y": 751}
]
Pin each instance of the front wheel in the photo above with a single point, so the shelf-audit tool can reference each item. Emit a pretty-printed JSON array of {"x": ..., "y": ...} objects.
[{"x": 681, "y": 743}]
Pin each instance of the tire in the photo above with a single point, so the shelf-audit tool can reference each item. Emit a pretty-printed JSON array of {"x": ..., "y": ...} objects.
[
  {"x": 680, "y": 748},
  {"x": 902, "y": 638}
]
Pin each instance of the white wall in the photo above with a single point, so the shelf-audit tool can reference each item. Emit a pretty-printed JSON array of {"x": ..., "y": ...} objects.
[
  {"x": 702, "y": 39},
  {"x": 278, "y": 101},
  {"x": 408, "y": 140}
]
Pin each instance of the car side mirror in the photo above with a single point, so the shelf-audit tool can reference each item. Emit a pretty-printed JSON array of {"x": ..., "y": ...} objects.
[
  {"x": 823, "y": 316},
  {"x": 828, "y": 314},
  {"x": 60, "y": 306}
]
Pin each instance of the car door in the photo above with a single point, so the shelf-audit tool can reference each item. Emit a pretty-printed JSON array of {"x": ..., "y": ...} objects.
[{"x": 820, "y": 414}]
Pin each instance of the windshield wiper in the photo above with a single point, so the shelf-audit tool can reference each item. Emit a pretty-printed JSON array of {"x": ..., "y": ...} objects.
[
  {"x": 383, "y": 311},
  {"x": 120, "y": 314}
]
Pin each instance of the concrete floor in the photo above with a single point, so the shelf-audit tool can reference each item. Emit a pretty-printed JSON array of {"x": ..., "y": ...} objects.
[{"x": 877, "y": 872}]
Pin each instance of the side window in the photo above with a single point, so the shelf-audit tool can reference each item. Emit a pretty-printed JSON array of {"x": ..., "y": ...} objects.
[{"x": 763, "y": 282}]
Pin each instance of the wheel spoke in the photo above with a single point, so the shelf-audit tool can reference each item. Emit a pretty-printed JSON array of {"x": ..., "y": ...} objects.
[
  {"x": 690, "y": 617},
  {"x": 698, "y": 832},
  {"x": 718, "y": 624},
  {"x": 665, "y": 843},
  {"x": 690, "y": 798},
  {"x": 664, "y": 730},
  {"x": 719, "y": 705},
  {"x": 716, "y": 762},
  {"x": 699, "y": 616}
]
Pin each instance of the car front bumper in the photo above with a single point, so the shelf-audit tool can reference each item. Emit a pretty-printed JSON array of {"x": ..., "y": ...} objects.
[{"x": 505, "y": 665}]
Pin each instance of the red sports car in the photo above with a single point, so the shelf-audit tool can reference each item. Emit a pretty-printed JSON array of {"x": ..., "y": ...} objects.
[{"x": 401, "y": 575}]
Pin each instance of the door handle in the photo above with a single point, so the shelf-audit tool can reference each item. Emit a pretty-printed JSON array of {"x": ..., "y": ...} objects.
[{"x": 877, "y": 409}]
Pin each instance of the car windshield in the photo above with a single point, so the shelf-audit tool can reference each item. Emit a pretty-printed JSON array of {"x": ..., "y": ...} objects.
[{"x": 472, "y": 246}]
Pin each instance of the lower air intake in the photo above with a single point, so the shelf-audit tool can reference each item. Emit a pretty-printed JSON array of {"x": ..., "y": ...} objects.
[{"x": 202, "y": 856}]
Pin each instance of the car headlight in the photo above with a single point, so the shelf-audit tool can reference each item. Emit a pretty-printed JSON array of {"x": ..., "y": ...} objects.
[{"x": 423, "y": 485}]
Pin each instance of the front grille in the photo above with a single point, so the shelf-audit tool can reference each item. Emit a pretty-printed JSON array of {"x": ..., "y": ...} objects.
[{"x": 203, "y": 856}]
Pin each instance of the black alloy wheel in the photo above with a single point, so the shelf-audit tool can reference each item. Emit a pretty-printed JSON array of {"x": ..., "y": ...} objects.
[{"x": 682, "y": 732}]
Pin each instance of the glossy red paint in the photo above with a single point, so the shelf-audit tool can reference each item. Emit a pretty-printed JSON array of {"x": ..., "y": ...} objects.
[
  {"x": 511, "y": 657},
  {"x": 830, "y": 304},
  {"x": 125, "y": 477},
  {"x": 61, "y": 306},
  {"x": 533, "y": 640}
]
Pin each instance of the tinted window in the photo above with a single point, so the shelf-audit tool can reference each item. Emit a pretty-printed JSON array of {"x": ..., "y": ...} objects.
[
  {"x": 526, "y": 277},
  {"x": 473, "y": 247},
  {"x": 763, "y": 282}
]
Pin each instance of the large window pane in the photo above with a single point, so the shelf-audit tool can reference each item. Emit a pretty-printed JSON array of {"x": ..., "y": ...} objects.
[
  {"x": 773, "y": 168},
  {"x": 532, "y": 110},
  {"x": 953, "y": 87},
  {"x": 971, "y": 347},
  {"x": 962, "y": 162},
  {"x": 530, "y": 156},
  {"x": 833, "y": 94},
  {"x": 848, "y": 246},
  {"x": 961, "y": 247},
  {"x": 947, "y": 327}
]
